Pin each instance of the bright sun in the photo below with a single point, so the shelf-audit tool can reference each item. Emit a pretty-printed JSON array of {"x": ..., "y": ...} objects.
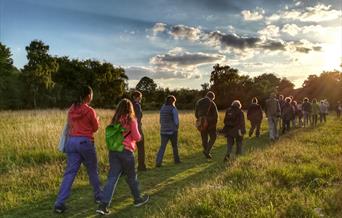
[{"x": 332, "y": 53}]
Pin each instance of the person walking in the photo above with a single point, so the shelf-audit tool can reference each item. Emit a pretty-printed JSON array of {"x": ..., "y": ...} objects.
[
  {"x": 80, "y": 147},
  {"x": 306, "y": 111},
  {"x": 255, "y": 115},
  {"x": 169, "y": 125},
  {"x": 123, "y": 161},
  {"x": 300, "y": 114},
  {"x": 287, "y": 114},
  {"x": 234, "y": 128},
  {"x": 273, "y": 112},
  {"x": 323, "y": 111},
  {"x": 315, "y": 112},
  {"x": 206, "y": 109},
  {"x": 137, "y": 97},
  {"x": 295, "y": 114}
]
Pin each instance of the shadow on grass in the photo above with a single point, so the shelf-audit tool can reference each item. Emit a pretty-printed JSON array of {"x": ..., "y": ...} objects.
[{"x": 162, "y": 184}]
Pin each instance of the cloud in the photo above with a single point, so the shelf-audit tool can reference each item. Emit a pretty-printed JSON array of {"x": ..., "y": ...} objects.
[
  {"x": 185, "y": 32},
  {"x": 157, "y": 28},
  {"x": 253, "y": 15},
  {"x": 224, "y": 40},
  {"x": 268, "y": 39},
  {"x": 269, "y": 31},
  {"x": 291, "y": 29},
  {"x": 176, "y": 63},
  {"x": 318, "y": 13},
  {"x": 137, "y": 72}
]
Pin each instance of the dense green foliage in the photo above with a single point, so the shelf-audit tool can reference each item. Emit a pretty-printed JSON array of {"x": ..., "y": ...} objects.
[
  {"x": 48, "y": 81},
  {"x": 298, "y": 176}
]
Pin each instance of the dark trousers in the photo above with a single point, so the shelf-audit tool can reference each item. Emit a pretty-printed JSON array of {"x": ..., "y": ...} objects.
[
  {"x": 164, "y": 139},
  {"x": 141, "y": 151},
  {"x": 121, "y": 162},
  {"x": 255, "y": 125},
  {"x": 79, "y": 150},
  {"x": 230, "y": 143},
  {"x": 322, "y": 117},
  {"x": 211, "y": 134},
  {"x": 286, "y": 125},
  {"x": 314, "y": 119},
  {"x": 338, "y": 113}
]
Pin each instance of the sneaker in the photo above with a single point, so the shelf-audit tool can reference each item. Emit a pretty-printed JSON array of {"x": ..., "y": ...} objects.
[
  {"x": 60, "y": 208},
  {"x": 102, "y": 209},
  {"x": 178, "y": 162},
  {"x": 226, "y": 158},
  {"x": 207, "y": 155},
  {"x": 143, "y": 200},
  {"x": 158, "y": 165}
]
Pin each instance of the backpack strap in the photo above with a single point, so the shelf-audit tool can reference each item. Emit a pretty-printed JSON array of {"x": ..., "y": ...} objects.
[{"x": 127, "y": 134}]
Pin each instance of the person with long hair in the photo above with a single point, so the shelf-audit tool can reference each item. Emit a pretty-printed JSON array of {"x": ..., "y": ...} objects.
[
  {"x": 123, "y": 162},
  {"x": 80, "y": 147}
]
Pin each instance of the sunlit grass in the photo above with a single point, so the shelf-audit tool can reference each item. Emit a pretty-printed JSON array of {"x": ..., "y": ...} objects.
[{"x": 300, "y": 175}]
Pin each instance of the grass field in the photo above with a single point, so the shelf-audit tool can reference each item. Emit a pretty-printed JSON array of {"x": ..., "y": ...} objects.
[{"x": 298, "y": 176}]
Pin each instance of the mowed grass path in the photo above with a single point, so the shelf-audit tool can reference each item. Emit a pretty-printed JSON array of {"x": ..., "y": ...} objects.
[{"x": 298, "y": 176}]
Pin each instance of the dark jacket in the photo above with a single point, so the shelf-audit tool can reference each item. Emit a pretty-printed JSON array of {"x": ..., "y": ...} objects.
[
  {"x": 138, "y": 112},
  {"x": 307, "y": 107},
  {"x": 254, "y": 113},
  {"x": 201, "y": 110},
  {"x": 273, "y": 107},
  {"x": 234, "y": 120},
  {"x": 287, "y": 112}
]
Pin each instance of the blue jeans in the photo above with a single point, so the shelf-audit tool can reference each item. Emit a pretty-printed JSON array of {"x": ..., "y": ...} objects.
[
  {"x": 164, "y": 138},
  {"x": 121, "y": 162},
  {"x": 79, "y": 150}
]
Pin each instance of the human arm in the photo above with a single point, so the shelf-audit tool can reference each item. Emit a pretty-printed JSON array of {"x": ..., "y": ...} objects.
[
  {"x": 135, "y": 134},
  {"x": 175, "y": 117}
]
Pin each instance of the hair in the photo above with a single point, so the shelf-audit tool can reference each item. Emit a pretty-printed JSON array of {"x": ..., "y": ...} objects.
[
  {"x": 294, "y": 102},
  {"x": 210, "y": 95},
  {"x": 281, "y": 97},
  {"x": 124, "y": 108},
  {"x": 136, "y": 94},
  {"x": 288, "y": 99},
  {"x": 306, "y": 99},
  {"x": 237, "y": 103},
  {"x": 81, "y": 95},
  {"x": 314, "y": 100},
  {"x": 170, "y": 100},
  {"x": 255, "y": 100}
]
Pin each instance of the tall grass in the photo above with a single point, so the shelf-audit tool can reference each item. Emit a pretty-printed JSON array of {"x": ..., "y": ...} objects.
[{"x": 300, "y": 175}]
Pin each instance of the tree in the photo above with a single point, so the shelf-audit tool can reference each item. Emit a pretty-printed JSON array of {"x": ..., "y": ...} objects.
[
  {"x": 146, "y": 85},
  {"x": 225, "y": 82},
  {"x": 39, "y": 69},
  {"x": 10, "y": 83}
]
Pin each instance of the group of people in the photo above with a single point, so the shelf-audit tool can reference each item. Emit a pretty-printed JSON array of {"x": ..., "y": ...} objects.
[{"x": 83, "y": 123}]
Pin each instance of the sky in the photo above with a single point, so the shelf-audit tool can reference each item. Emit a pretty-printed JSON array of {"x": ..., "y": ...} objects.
[{"x": 177, "y": 42}]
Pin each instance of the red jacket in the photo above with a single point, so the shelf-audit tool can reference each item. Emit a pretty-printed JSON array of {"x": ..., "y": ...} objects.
[
  {"x": 134, "y": 134},
  {"x": 82, "y": 121}
]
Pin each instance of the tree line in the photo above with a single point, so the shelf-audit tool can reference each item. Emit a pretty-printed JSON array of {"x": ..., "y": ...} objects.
[{"x": 49, "y": 81}]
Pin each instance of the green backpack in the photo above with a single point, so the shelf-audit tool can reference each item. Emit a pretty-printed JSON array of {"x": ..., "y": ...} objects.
[{"x": 114, "y": 137}]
